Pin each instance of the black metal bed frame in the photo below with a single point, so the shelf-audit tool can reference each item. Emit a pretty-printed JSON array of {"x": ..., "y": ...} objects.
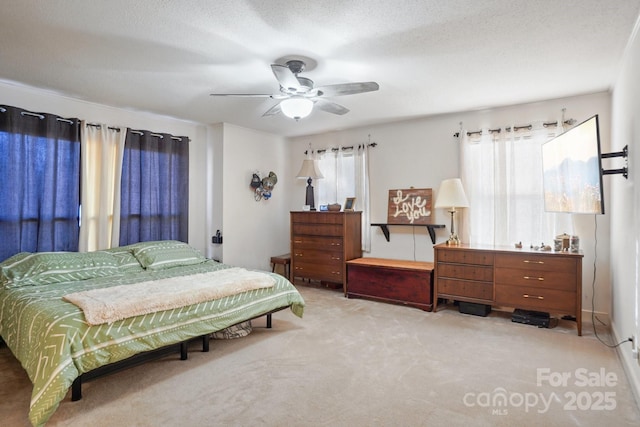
[{"x": 139, "y": 359}]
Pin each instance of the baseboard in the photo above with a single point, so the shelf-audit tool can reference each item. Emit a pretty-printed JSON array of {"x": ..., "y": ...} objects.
[
  {"x": 630, "y": 366},
  {"x": 601, "y": 315}
]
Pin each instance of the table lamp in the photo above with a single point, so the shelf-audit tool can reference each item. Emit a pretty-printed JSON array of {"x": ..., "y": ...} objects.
[
  {"x": 310, "y": 171},
  {"x": 451, "y": 196}
]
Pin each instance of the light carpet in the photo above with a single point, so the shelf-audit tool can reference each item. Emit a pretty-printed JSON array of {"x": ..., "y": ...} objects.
[{"x": 353, "y": 362}]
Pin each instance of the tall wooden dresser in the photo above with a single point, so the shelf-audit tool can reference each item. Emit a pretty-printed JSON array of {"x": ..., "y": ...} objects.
[
  {"x": 508, "y": 277},
  {"x": 322, "y": 243}
]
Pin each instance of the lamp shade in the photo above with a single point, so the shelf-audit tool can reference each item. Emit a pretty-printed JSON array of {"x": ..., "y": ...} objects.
[
  {"x": 309, "y": 169},
  {"x": 451, "y": 194},
  {"x": 296, "y": 107}
]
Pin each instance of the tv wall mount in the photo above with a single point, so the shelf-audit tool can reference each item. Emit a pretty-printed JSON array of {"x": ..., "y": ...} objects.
[{"x": 625, "y": 170}]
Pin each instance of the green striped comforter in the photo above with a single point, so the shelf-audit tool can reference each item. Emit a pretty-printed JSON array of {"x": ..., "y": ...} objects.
[{"x": 55, "y": 345}]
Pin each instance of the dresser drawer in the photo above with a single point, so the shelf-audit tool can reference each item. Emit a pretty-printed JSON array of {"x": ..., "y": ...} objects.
[
  {"x": 318, "y": 271},
  {"x": 564, "y": 280},
  {"x": 465, "y": 257},
  {"x": 317, "y": 229},
  {"x": 317, "y": 217},
  {"x": 322, "y": 242},
  {"x": 465, "y": 288},
  {"x": 317, "y": 242},
  {"x": 548, "y": 300},
  {"x": 462, "y": 271},
  {"x": 318, "y": 256},
  {"x": 535, "y": 262}
]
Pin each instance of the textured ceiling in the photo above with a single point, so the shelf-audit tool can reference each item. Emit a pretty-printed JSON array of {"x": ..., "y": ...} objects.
[{"x": 429, "y": 56}]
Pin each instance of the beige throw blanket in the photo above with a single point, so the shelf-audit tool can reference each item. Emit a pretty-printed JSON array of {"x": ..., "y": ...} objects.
[{"x": 106, "y": 305}]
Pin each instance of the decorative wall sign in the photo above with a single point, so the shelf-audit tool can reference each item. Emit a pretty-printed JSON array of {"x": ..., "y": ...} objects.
[{"x": 410, "y": 206}]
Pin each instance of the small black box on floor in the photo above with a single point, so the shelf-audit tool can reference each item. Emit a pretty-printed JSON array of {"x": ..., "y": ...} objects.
[
  {"x": 536, "y": 318},
  {"x": 474, "y": 308}
]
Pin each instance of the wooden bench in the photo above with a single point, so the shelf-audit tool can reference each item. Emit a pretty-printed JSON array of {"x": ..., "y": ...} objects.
[
  {"x": 389, "y": 280},
  {"x": 285, "y": 261}
]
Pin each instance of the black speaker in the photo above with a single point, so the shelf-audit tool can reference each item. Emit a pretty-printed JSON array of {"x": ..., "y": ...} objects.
[{"x": 536, "y": 318}]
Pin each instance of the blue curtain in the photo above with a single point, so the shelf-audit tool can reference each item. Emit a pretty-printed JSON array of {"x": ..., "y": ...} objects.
[
  {"x": 40, "y": 185},
  {"x": 155, "y": 188}
]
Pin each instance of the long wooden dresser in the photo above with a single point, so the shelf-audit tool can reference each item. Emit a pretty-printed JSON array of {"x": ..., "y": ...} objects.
[
  {"x": 509, "y": 277},
  {"x": 322, "y": 243}
]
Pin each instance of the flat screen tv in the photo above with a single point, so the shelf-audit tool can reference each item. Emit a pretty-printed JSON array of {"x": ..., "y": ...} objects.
[{"x": 572, "y": 170}]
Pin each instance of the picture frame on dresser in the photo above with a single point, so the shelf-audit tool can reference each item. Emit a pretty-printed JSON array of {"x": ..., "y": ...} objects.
[{"x": 350, "y": 204}]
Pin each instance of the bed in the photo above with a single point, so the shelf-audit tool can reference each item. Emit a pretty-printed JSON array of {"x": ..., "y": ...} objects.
[{"x": 57, "y": 344}]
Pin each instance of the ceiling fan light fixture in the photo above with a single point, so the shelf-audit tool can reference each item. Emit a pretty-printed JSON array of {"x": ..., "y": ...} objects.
[{"x": 297, "y": 107}]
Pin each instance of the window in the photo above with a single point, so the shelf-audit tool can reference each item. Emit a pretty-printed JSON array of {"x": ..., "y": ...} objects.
[
  {"x": 155, "y": 188},
  {"x": 339, "y": 182},
  {"x": 346, "y": 174},
  {"x": 40, "y": 162},
  {"x": 40, "y": 186},
  {"x": 502, "y": 176}
]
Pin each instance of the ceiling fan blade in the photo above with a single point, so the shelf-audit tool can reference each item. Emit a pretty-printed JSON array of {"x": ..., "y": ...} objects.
[
  {"x": 272, "y": 111},
  {"x": 285, "y": 77},
  {"x": 330, "y": 107},
  {"x": 245, "y": 95},
  {"x": 347, "y": 88}
]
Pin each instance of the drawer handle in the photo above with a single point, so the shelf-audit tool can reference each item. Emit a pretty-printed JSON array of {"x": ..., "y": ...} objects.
[
  {"x": 297, "y": 241},
  {"x": 532, "y": 296},
  {"x": 534, "y": 278},
  {"x": 526, "y": 261},
  {"x": 298, "y": 254}
]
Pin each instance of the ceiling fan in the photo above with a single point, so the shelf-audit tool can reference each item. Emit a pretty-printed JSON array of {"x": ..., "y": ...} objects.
[{"x": 298, "y": 95}]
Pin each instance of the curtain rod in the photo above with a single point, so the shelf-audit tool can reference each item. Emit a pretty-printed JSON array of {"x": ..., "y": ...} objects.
[
  {"x": 334, "y": 149},
  {"x": 517, "y": 128},
  {"x": 98, "y": 125},
  {"x": 60, "y": 119},
  {"x": 157, "y": 135},
  {"x": 350, "y": 147},
  {"x": 40, "y": 116}
]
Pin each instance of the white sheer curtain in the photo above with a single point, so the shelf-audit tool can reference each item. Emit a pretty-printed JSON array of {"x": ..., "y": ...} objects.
[
  {"x": 102, "y": 150},
  {"x": 346, "y": 174},
  {"x": 502, "y": 176},
  {"x": 363, "y": 198},
  {"x": 338, "y": 168}
]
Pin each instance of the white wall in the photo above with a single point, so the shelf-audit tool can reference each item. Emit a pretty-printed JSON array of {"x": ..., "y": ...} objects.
[
  {"x": 423, "y": 152},
  {"x": 215, "y": 180},
  {"x": 625, "y": 211},
  {"x": 254, "y": 231}
]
